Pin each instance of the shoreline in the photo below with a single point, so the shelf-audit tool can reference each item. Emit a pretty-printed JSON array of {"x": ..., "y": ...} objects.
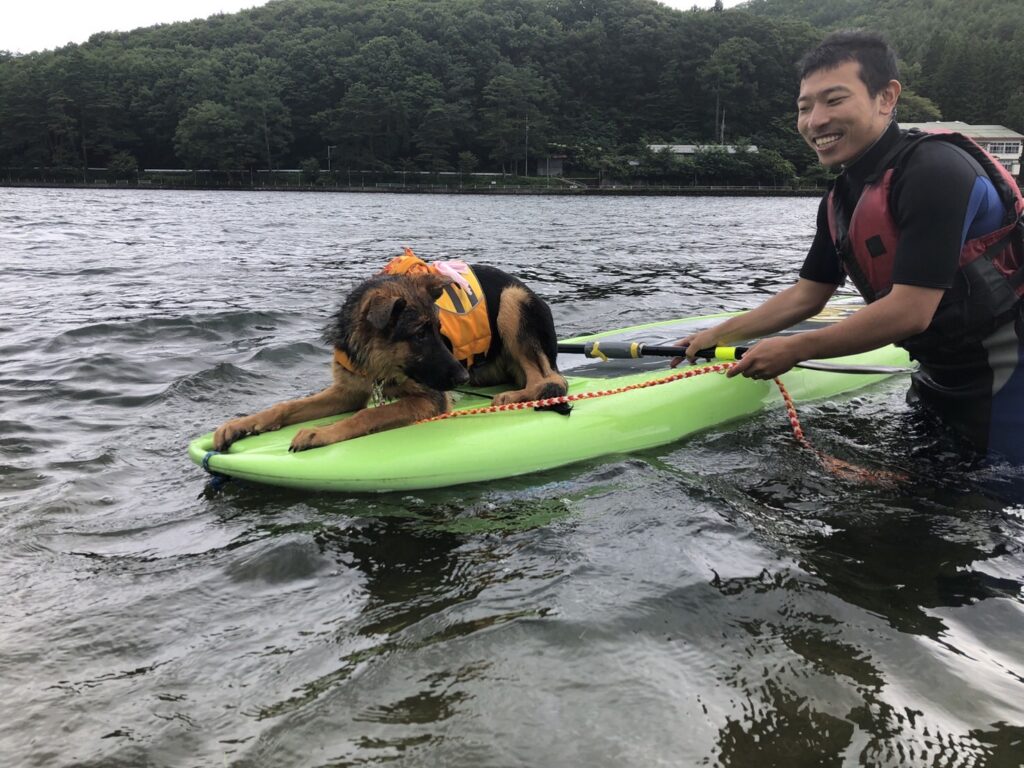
[{"x": 581, "y": 191}]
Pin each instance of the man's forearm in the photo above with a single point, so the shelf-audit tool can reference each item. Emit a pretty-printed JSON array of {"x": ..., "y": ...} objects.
[
  {"x": 904, "y": 312},
  {"x": 786, "y": 308}
]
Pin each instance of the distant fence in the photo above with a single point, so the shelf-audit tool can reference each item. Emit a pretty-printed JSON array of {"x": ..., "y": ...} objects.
[{"x": 383, "y": 181}]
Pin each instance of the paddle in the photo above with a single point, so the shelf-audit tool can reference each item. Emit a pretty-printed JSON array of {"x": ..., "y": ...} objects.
[{"x": 624, "y": 350}]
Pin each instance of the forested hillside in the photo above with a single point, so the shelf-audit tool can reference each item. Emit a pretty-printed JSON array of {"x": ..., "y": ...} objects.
[
  {"x": 965, "y": 55},
  {"x": 435, "y": 84},
  {"x": 400, "y": 81}
]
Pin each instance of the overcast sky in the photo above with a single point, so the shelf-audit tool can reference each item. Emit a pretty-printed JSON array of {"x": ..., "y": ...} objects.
[{"x": 32, "y": 25}]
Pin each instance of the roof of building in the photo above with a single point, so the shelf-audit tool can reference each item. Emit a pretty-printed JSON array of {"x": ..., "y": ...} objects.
[
  {"x": 974, "y": 131},
  {"x": 689, "y": 149}
]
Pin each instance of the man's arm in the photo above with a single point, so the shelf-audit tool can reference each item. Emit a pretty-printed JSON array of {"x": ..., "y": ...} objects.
[
  {"x": 798, "y": 302},
  {"x": 905, "y": 311},
  {"x": 931, "y": 204}
]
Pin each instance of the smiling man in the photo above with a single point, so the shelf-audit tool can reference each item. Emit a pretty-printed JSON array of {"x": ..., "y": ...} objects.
[{"x": 927, "y": 227}]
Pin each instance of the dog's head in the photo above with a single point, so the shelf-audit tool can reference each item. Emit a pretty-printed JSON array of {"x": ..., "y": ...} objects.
[{"x": 389, "y": 327}]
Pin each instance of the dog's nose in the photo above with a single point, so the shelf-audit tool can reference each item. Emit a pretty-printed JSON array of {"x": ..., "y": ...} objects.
[{"x": 461, "y": 376}]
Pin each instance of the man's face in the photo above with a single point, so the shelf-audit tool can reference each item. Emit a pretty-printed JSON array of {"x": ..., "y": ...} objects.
[{"x": 836, "y": 115}]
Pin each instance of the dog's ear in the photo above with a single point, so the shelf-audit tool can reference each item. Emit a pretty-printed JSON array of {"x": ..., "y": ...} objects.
[
  {"x": 383, "y": 311},
  {"x": 433, "y": 284}
]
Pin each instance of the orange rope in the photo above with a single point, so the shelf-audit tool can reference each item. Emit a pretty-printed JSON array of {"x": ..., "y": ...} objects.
[
  {"x": 549, "y": 401},
  {"x": 794, "y": 420},
  {"x": 835, "y": 466}
]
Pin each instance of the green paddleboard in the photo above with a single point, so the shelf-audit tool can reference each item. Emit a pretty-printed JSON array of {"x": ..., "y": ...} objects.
[{"x": 478, "y": 448}]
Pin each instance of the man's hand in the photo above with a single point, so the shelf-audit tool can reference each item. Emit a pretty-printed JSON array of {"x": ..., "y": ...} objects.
[
  {"x": 693, "y": 344},
  {"x": 768, "y": 358}
]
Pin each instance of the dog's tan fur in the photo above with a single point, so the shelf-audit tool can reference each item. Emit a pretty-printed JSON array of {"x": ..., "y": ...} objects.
[{"x": 526, "y": 366}]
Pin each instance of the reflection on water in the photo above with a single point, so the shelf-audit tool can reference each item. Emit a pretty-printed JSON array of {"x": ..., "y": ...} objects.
[{"x": 722, "y": 601}]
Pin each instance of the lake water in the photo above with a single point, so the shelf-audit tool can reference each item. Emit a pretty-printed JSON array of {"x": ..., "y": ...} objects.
[{"x": 722, "y": 601}]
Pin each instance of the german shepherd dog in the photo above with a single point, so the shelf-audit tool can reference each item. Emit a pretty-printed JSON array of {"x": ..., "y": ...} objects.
[{"x": 388, "y": 332}]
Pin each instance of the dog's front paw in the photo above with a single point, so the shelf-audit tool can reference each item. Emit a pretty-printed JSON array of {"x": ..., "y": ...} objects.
[
  {"x": 231, "y": 431},
  {"x": 507, "y": 398},
  {"x": 307, "y": 438}
]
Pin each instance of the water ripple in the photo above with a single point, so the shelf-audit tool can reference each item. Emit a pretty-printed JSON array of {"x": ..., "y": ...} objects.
[{"x": 721, "y": 601}]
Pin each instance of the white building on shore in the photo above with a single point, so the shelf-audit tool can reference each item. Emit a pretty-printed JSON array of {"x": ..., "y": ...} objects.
[
  {"x": 1000, "y": 142},
  {"x": 692, "y": 149}
]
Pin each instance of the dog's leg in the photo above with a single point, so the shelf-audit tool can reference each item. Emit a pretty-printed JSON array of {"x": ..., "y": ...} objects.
[
  {"x": 399, "y": 413},
  {"x": 539, "y": 378},
  {"x": 335, "y": 399}
]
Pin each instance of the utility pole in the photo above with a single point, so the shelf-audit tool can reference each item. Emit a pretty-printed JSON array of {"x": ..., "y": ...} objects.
[
  {"x": 526, "y": 148},
  {"x": 329, "y": 148},
  {"x": 717, "y": 112}
]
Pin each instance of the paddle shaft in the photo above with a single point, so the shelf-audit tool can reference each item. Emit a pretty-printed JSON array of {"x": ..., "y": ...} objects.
[{"x": 624, "y": 350}]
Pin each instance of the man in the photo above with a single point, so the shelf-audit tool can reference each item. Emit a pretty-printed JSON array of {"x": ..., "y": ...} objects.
[{"x": 906, "y": 220}]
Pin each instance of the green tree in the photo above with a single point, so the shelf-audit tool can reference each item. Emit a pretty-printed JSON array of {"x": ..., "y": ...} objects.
[
  {"x": 255, "y": 93},
  {"x": 207, "y": 138},
  {"x": 917, "y": 109},
  {"x": 435, "y": 135},
  {"x": 515, "y": 116},
  {"x": 730, "y": 74},
  {"x": 468, "y": 162},
  {"x": 352, "y": 124},
  {"x": 713, "y": 165},
  {"x": 310, "y": 170},
  {"x": 123, "y": 167},
  {"x": 661, "y": 164},
  {"x": 1014, "y": 116},
  {"x": 390, "y": 79},
  {"x": 24, "y": 133},
  {"x": 770, "y": 167}
]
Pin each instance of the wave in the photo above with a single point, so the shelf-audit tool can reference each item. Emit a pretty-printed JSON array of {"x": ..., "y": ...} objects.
[{"x": 207, "y": 327}]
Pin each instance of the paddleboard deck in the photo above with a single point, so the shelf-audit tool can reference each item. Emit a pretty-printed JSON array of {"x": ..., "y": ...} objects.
[{"x": 479, "y": 448}]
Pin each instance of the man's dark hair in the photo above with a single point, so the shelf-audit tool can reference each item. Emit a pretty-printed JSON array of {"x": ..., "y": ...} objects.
[{"x": 876, "y": 58}]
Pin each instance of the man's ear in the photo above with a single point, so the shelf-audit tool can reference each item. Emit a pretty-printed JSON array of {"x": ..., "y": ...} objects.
[
  {"x": 889, "y": 95},
  {"x": 383, "y": 311}
]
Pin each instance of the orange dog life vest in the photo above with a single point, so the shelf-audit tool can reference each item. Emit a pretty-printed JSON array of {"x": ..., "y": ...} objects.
[{"x": 463, "y": 309}]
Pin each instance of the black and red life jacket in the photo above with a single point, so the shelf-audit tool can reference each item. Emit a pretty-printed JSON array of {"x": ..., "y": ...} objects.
[{"x": 990, "y": 280}]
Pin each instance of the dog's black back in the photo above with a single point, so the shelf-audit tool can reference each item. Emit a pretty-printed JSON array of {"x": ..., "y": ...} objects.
[{"x": 537, "y": 321}]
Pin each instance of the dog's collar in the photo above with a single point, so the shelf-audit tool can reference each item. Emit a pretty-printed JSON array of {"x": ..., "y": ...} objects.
[
  {"x": 342, "y": 359},
  {"x": 377, "y": 395}
]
